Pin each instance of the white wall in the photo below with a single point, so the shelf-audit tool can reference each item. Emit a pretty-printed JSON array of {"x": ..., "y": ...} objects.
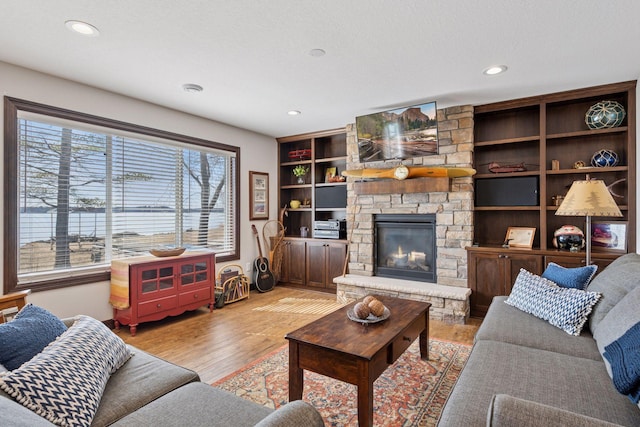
[{"x": 257, "y": 153}]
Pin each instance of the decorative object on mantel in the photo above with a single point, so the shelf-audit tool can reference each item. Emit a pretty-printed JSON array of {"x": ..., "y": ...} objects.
[
  {"x": 579, "y": 164},
  {"x": 406, "y": 172},
  {"x": 588, "y": 198},
  {"x": 167, "y": 252},
  {"x": 300, "y": 171},
  {"x": 605, "y": 114},
  {"x": 604, "y": 158}
]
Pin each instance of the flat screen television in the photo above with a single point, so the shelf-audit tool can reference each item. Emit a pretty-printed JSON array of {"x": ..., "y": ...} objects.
[{"x": 401, "y": 133}]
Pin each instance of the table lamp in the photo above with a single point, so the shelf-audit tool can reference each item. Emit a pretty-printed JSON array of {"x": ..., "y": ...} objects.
[{"x": 588, "y": 198}]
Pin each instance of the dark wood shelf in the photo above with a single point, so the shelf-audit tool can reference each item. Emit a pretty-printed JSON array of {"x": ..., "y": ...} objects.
[
  {"x": 581, "y": 133},
  {"x": 507, "y": 141}
]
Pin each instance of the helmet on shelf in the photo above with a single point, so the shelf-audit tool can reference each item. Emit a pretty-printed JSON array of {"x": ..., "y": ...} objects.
[{"x": 568, "y": 237}]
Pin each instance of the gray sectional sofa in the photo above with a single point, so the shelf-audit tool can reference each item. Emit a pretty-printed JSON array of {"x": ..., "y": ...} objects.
[
  {"x": 147, "y": 391},
  {"x": 523, "y": 371}
]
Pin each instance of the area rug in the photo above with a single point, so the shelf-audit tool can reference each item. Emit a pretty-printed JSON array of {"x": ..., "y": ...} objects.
[
  {"x": 411, "y": 392},
  {"x": 301, "y": 306}
]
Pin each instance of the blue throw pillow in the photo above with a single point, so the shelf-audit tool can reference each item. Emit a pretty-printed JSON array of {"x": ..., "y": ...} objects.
[
  {"x": 577, "y": 278},
  {"x": 624, "y": 357},
  {"x": 27, "y": 334}
]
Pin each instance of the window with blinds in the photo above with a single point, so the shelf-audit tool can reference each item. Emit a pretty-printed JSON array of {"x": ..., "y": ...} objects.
[{"x": 87, "y": 193}]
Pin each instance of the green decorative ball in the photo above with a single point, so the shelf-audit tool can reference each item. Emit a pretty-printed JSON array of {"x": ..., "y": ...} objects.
[{"x": 605, "y": 114}]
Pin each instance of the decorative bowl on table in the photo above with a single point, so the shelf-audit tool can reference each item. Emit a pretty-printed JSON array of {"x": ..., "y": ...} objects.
[
  {"x": 167, "y": 252},
  {"x": 369, "y": 310},
  {"x": 370, "y": 318}
]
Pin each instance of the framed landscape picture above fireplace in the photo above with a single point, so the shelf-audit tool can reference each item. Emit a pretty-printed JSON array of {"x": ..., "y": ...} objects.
[{"x": 401, "y": 133}]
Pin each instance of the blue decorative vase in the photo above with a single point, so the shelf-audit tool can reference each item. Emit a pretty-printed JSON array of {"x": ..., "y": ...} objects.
[
  {"x": 605, "y": 114},
  {"x": 604, "y": 158}
]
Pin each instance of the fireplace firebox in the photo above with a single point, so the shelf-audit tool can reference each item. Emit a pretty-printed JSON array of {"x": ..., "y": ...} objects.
[{"x": 405, "y": 246}]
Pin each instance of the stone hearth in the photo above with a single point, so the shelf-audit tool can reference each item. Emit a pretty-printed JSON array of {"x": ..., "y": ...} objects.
[
  {"x": 451, "y": 204},
  {"x": 448, "y": 303}
]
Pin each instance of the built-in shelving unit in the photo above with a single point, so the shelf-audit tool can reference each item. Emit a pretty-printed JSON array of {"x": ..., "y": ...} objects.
[
  {"x": 318, "y": 151},
  {"x": 535, "y": 131}
]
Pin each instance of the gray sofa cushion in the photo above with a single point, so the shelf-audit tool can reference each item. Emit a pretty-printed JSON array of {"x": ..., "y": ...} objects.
[
  {"x": 294, "y": 414},
  {"x": 141, "y": 380},
  {"x": 509, "y": 324},
  {"x": 197, "y": 404},
  {"x": 508, "y": 411},
  {"x": 570, "y": 383},
  {"x": 614, "y": 282},
  {"x": 15, "y": 415}
]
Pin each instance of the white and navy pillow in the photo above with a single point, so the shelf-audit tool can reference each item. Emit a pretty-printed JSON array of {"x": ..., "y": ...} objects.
[
  {"x": 65, "y": 382},
  {"x": 577, "y": 278},
  {"x": 565, "y": 308}
]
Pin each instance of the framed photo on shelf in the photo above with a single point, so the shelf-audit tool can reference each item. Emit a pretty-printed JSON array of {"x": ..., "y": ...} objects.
[
  {"x": 330, "y": 173},
  {"x": 520, "y": 237},
  {"x": 258, "y": 195},
  {"x": 609, "y": 236}
]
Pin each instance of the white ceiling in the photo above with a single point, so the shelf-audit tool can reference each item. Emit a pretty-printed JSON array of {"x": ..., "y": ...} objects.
[{"x": 252, "y": 56}]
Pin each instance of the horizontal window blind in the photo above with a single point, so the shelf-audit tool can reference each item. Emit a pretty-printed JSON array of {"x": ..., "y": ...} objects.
[{"x": 89, "y": 194}]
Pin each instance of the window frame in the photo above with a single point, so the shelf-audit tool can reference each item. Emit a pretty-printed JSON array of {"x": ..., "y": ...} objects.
[{"x": 11, "y": 153}]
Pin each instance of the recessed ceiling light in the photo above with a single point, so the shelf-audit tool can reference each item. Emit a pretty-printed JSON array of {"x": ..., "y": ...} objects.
[
  {"x": 495, "y": 69},
  {"x": 192, "y": 88},
  {"x": 82, "y": 28},
  {"x": 317, "y": 52},
  {"x": 294, "y": 113}
]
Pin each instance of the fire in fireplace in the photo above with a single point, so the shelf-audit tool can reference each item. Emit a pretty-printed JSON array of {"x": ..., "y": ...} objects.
[{"x": 405, "y": 246}]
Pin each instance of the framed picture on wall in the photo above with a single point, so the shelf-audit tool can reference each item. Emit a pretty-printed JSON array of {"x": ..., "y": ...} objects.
[
  {"x": 520, "y": 237},
  {"x": 258, "y": 195},
  {"x": 609, "y": 236}
]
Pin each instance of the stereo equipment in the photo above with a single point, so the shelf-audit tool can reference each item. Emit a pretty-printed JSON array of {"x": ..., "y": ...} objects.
[
  {"x": 515, "y": 191},
  {"x": 330, "y": 229},
  {"x": 331, "y": 224}
]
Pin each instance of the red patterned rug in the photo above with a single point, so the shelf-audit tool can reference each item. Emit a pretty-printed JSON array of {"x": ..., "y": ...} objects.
[{"x": 411, "y": 392}]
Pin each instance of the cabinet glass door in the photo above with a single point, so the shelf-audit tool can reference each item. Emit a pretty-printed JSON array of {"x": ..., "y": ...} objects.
[
  {"x": 194, "y": 273},
  {"x": 155, "y": 279}
]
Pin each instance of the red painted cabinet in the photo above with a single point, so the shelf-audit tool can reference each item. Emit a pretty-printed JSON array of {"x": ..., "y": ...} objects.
[{"x": 161, "y": 287}]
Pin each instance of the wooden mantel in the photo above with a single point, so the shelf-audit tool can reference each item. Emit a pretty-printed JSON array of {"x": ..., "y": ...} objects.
[{"x": 392, "y": 186}]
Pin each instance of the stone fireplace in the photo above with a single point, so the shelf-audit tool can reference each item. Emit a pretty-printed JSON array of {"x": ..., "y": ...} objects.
[{"x": 450, "y": 202}]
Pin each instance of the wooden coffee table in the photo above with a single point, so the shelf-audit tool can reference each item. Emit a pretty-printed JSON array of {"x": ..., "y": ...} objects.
[{"x": 355, "y": 353}]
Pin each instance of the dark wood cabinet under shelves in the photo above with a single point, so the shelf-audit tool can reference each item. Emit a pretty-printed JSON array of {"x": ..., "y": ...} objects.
[
  {"x": 313, "y": 262},
  {"x": 492, "y": 270}
]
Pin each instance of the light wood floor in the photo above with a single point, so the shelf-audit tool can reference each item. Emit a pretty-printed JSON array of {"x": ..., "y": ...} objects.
[{"x": 217, "y": 344}]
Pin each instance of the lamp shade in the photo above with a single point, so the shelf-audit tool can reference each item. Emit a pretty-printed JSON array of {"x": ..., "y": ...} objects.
[{"x": 588, "y": 198}]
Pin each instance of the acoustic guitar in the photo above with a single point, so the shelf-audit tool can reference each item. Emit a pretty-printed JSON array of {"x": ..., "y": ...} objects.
[{"x": 263, "y": 276}]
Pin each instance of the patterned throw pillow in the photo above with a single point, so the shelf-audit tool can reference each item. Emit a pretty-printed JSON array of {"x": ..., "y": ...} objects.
[
  {"x": 577, "y": 278},
  {"x": 27, "y": 334},
  {"x": 565, "y": 308},
  {"x": 64, "y": 383}
]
